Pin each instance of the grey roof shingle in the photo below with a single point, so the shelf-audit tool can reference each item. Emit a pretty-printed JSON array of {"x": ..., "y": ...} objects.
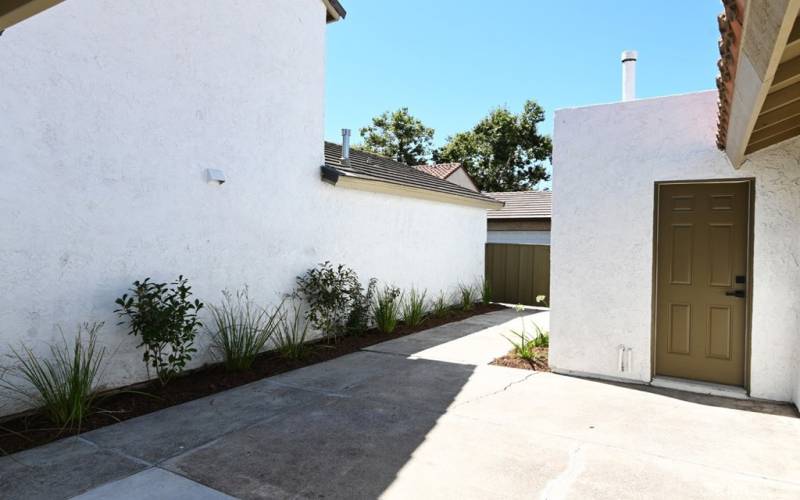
[
  {"x": 523, "y": 205},
  {"x": 380, "y": 168}
]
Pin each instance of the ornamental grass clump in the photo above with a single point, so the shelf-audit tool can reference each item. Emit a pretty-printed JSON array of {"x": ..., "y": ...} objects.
[
  {"x": 64, "y": 386},
  {"x": 241, "y": 329},
  {"x": 525, "y": 346},
  {"x": 468, "y": 297},
  {"x": 386, "y": 309},
  {"x": 486, "y": 291},
  {"x": 292, "y": 333},
  {"x": 165, "y": 318},
  {"x": 440, "y": 307},
  {"x": 413, "y": 309}
]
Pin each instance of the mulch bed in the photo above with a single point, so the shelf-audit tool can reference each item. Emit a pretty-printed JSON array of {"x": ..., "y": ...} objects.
[
  {"x": 31, "y": 430},
  {"x": 511, "y": 360}
]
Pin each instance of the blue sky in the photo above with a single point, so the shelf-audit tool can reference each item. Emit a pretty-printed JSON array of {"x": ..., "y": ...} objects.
[{"x": 451, "y": 61}]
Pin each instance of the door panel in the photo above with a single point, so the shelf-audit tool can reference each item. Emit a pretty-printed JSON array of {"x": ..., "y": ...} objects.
[{"x": 702, "y": 245}]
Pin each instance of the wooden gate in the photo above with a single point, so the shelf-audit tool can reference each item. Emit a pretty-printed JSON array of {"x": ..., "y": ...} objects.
[{"x": 518, "y": 273}]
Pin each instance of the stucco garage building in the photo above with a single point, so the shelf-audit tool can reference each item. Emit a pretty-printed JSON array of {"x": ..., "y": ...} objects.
[
  {"x": 113, "y": 115},
  {"x": 674, "y": 262}
]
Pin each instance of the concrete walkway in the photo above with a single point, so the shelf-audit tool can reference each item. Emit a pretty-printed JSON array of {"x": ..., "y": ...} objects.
[{"x": 425, "y": 417}]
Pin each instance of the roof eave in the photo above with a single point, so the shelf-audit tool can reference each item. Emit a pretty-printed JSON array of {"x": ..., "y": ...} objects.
[
  {"x": 16, "y": 11},
  {"x": 342, "y": 178},
  {"x": 335, "y": 11},
  {"x": 764, "y": 35}
]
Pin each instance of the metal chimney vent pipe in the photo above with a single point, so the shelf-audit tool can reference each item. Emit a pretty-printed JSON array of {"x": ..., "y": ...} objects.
[
  {"x": 629, "y": 58},
  {"x": 346, "y": 147}
]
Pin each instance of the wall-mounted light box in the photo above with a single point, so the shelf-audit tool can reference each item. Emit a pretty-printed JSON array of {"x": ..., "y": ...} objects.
[{"x": 215, "y": 176}]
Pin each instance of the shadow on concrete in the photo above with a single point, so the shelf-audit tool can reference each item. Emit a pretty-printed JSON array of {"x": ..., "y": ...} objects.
[
  {"x": 751, "y": 405},
  {"x": 339, "y": 429},
  {"x": 373, "y": 411}
]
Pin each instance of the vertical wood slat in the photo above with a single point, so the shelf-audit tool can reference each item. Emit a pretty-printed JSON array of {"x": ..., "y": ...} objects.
[{"x": 518, "y": 273}]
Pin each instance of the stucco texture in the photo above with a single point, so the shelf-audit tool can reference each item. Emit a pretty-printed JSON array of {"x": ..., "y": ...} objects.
[
  {"x": 607, "y": 159},
  {"x": 111, "y": 113}
]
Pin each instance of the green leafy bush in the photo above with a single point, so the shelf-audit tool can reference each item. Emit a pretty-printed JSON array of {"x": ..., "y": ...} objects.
[
  {"x": 413, "y": 309},
  {"x": 337, "y": 302},
  {"x": 165, "y": 318},
  {"x": 386, "y": 309},
  {"x": 64, "y": 387},
  {"x": 358, "y": 320},
  {"x": 468, "y": 296},
  {"x": 292, "y": 333},
  {"x": 241, "y": 329}
]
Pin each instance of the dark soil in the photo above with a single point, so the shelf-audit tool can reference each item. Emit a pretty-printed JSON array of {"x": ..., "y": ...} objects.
[
  {"x": 538, "y": 364},
  {"x": 30, "y": 430}
]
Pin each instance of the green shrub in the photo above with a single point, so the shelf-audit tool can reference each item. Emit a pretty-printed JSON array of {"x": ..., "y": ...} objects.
[
  {"x": 292, "y": 333},
  {"x": 413, "y": 309},
  {"x": 336, "y": 300},
  {"x": 65, "y": 386},
  {"x": 486, "y": 291},
  {"x": 386, "y": 309},
  {"x": 241, "y": 329},
  {"x": 440, "y": 306},
  {"x": 165, "y": 318},
  {"x": 468, "y": 297},
  {"x": 358, "y": 320}
]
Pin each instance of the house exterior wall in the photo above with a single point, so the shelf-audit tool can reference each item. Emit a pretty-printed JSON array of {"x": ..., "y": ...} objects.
[
  {"x": 519, "y": 237},
  {"x": 602, "y": 279},
  {"x": 519, "y": 231},
  {"x": 111, "y": 112},
  {"x": 460, "y": 177}
]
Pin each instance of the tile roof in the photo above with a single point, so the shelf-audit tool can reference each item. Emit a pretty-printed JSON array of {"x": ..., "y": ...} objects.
[
  {"x": 379, "y": 168},
  {"x": 730, "y": 28},
  {"x": 440, "y": 170},
  {"x": 523, "y": 205}
]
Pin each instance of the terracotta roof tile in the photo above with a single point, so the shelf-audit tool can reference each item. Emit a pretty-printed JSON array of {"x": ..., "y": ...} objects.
[
  {"x": 730, "y": 28},
  {"x": 440, "y": 170},
  {"x": 523, "y": 205}
]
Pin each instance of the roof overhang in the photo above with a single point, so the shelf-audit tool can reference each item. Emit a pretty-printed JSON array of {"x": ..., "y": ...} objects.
[
  {"x": 759, "y": 76},
  {"x": 351, "y": 180},
  {"x": 335, "y": 10},
  {"x": 15, "y": 11}
]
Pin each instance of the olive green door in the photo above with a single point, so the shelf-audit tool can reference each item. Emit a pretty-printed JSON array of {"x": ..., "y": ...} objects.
[{"x": 701, "y": 281}]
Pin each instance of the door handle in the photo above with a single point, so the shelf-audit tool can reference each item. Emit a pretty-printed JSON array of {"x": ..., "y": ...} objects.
[{"x": 735, "y": 293}]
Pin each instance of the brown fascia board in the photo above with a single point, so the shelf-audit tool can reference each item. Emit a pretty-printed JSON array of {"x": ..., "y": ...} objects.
[{"x": 335, "y": 10}]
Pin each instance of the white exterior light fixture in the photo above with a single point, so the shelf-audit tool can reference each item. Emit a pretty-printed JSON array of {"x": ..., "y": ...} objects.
[{"x": 215, "y": 176}]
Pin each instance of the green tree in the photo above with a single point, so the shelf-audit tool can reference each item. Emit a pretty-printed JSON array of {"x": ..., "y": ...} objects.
[
  {"x": 504, "y": 151},
  {"x": 399, "y": 136}
]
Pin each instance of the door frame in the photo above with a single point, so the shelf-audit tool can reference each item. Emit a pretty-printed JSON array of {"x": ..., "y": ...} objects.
[{"x": 749, "y": 285}]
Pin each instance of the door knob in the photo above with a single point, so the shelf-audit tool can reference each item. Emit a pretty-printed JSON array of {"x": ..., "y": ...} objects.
[{"x": 735, "y": 293}]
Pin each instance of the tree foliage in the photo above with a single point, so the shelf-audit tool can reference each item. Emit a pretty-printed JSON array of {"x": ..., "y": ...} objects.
[
  {"x": 504, "y": 151},
  {"x": 400, "y": 136}
]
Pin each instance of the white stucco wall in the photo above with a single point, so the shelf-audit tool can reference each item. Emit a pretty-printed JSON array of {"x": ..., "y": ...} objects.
[
  {"x": 606, "y": 161},
  {"x": 111, "y": 111}
]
